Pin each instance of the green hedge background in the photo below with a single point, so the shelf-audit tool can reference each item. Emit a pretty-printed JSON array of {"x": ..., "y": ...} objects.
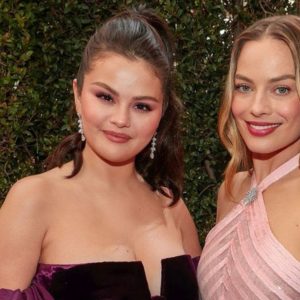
[{"x": 40, "y": 48}]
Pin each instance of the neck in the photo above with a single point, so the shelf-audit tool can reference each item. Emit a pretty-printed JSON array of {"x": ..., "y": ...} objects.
[
  {"x": 264, "y": 164},
  {"x": 97, "y": 170}
]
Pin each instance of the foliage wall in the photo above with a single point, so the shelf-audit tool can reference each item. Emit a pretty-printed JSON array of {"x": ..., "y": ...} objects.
[{"x": 40, "y": 48}]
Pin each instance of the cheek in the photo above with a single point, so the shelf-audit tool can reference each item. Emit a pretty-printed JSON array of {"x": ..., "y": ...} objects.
[
  {"x": 91, "y": 115},
  {"x": 91, "y": 111},
  {"x": 148, "y": 127},
  {"x": 236, "y": 108},
  {"x": 291, "y": 111}
]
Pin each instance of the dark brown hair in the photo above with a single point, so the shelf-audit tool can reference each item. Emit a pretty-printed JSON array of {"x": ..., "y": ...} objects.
[{"x": 138, "y": 33}]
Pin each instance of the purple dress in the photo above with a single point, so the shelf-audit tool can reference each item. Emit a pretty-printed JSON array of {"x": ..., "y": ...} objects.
[{"x": 109, "y": 281}]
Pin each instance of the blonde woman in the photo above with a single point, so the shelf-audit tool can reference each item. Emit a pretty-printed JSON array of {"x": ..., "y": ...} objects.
[{"x": 253, "y": 252}]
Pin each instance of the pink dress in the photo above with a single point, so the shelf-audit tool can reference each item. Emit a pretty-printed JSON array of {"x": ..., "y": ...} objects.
[{"x": 242, "y": 259}]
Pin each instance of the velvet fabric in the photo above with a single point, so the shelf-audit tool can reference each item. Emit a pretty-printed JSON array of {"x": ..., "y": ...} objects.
[{"x": 110, "y": 281}]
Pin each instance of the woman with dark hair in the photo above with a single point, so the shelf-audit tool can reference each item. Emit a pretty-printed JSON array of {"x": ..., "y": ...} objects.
[
  {"x": 254, "y": 250},
  {"x": 109, "y": 224}
]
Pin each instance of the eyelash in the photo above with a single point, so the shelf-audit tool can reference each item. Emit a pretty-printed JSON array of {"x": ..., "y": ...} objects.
[
  {"x": 139, "y": 106},
  {"x": 238, "y": 87},
  {"x": 104, "y": 97},
  {"x": 143, "y": 107},
  {"x": 241, "y": 88},
  {"x": 287, "y": 90}
]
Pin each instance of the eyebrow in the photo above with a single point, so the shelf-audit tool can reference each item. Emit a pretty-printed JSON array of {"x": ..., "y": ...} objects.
[
  {"x": 107, "y": 87},
  {"x": 275, "y": 79},
  {"x": 115, "y": 93}
]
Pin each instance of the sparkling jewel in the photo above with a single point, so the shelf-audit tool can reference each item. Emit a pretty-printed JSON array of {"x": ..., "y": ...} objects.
[{"x": 251, "y": 195}]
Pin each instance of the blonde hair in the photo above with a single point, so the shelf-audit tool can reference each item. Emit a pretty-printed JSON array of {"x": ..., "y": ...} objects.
[{"x": 284, "y": 28}]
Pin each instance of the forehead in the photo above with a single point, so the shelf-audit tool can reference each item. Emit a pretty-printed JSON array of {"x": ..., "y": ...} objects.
[
  {"x": 110, "y": 57},
  {"x": 267, "y": 55},
  {"x": 125, "y": 75}
]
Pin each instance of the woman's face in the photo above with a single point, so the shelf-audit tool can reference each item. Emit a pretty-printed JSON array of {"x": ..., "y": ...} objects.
[
  {"x": 120, "y": 106},
  {"x": 266, "y": 104}
]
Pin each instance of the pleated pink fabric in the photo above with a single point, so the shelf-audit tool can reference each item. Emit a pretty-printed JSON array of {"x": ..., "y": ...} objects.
[{"x": 242, "y": 259}]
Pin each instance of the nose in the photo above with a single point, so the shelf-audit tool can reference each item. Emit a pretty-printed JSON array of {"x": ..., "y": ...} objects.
[
  {"x": 261, "y": 104},
  {"x": 120, "y": 116}
]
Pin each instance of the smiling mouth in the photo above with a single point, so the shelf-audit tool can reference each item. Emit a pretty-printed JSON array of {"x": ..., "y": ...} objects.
[{"x": 261, "y": 128}]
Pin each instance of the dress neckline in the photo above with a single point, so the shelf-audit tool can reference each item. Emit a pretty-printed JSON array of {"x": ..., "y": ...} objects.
[
  {"x": 186, "y": 259},
  {"x": 278, "y": 173},
  {"x": 253, "y": 192},
  {"x": 46, "y": 265},
  {"x": 274, "y": 176}
]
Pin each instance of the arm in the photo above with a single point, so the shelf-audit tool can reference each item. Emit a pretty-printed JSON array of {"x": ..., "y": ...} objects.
[
  {"x": 188, "y": 229},
  {"x": 22, "y": 228}
]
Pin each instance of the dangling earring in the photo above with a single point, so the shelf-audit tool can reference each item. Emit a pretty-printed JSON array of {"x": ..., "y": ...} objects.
[
  {"x": 80, "y": 128},
  {"x": 153, "y": 146}
]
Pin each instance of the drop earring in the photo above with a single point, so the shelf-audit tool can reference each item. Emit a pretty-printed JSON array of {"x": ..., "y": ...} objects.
[
  {"x": 80, "y": 128},
  {"x": 153, "y": 146}
]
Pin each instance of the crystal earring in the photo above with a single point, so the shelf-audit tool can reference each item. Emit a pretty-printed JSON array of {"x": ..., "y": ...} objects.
[
  {"x": 80, "y": 128},
  {"x": 153, "y": 146}
]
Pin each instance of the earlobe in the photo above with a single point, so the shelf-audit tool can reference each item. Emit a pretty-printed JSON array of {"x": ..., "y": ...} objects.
[{"x": 76, "y": 96}]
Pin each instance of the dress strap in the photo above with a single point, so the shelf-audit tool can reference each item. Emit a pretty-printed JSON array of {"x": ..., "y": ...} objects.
[
  {"x": 275, "y": 175},
  {"x": 280, "y": 172}
]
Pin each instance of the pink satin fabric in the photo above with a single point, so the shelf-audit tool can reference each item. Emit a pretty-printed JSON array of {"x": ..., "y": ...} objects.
[{"x": 242, "y": 259}]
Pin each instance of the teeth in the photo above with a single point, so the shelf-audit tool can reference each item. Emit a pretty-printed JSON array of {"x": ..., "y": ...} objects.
[{"x": 262, "y": 127}]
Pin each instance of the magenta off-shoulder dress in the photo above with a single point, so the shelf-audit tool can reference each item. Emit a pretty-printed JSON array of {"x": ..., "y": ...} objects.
[{"x": 109, "y": 281}]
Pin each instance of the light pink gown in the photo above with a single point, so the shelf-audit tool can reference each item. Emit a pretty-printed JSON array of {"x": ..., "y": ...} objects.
[{"x": 242, "y": 259}]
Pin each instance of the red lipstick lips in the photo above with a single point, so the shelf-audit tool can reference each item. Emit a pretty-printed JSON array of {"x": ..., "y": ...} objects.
[{"x": 261, "y": 129}]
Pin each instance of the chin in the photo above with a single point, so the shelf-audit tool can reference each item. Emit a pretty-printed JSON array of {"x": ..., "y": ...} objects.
[
  {"x": 118, "y": 161},
  {"x": 262, "y": 156},
  {"x": 266, "y": 153}
]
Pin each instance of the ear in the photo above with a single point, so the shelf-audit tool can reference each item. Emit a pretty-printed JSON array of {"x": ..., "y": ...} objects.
[{"x": 76, "y": 97}]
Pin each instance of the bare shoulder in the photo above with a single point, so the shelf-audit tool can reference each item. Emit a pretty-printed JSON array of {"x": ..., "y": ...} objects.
[
  {"x": 185, "y": 223},
  {"x": 28, "y": 199},
  {"x": 178, "y": 210},
  {"x": 225, "y": 202},
  {"x": 23, "y": 225},
  {"x": 30, "y": 192},
  {"x": 25, "y": 192},
  {"x": 34, "y": 191}
]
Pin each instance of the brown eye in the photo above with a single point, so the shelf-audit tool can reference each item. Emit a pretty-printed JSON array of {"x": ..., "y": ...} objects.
[
  {"x": 104, "y": 97},
  {"x": 142, "y": 107}
]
